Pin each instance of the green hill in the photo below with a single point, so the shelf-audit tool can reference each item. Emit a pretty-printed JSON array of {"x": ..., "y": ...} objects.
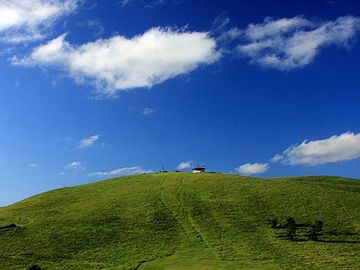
[{"x": 185, "y": 221}]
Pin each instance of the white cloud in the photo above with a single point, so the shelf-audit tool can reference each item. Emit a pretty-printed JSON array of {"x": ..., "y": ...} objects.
[
  {"x": 88, "y": 142},
  {"x": 334, "y": 149},
  {"x": 22, "y": 20},
  {"x": 252, "y": 168},
  {"x": 277, "y": 158},
  {"x": 121, "y": 172},
  {"x": 229, "y": 35},
  {"x": 185, "y": 165},
  {"x": 33, "y": 165},
  {"x": 75, "y": 165},
  {"x": 147, "y": 111},
  {"x": 120, "y": 63},
  {"x": 287, "y": 44}
]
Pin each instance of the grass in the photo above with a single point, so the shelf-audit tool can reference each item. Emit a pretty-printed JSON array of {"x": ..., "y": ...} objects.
[{"x": 184, "y": 221}]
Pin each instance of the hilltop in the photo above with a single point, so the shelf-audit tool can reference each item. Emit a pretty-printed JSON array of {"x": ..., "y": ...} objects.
[{"x": 185, "y": 221}]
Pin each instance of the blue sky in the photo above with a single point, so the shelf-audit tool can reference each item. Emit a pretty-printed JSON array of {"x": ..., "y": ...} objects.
[{"x": 96, "y": 89}]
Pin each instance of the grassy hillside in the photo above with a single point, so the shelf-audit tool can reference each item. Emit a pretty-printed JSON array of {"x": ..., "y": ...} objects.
[{"x": 184, "y": 221}]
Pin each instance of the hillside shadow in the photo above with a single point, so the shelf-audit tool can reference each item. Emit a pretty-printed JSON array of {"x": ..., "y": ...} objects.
[
  {"x": 10, "y": 226},
  {"x": 339, "y": 241},
  {"x": 302, "y": 233}
]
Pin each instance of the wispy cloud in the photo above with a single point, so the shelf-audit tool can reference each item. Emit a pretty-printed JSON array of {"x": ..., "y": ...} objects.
[
  {"x": 310, "y": 153},
  {"x": 224, "y": 32},
  {"x": 22, "y": 21},
  {"x": 95, "y": 25},
  {"x": 75, "y": 165},
  {"x": 148, "y": 111},
  {"x": 291, "y": 43},
  {"x": 123, "y": 3},
  {"x": 120, "y": 63},
  {"x": 33, "y": 165},
  {"x": 220, "y": 23},
  {"x": 155, "y": 3},
  {"x": 149, "y": 3},
  {"x": 185, "y": 165},
  {"x": 88, "y": 142},
  {"x": 252, "y": 168},
  {"x": 121, "y": 172}
]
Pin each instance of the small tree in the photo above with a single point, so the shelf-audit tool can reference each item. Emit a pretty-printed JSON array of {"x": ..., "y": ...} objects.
[
  {"x": 316, "y": 230},
  {"x": 291, "y": 228}
]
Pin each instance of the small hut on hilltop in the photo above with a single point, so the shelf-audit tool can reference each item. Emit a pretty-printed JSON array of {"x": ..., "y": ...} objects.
[{"x": 198, "y": 170}]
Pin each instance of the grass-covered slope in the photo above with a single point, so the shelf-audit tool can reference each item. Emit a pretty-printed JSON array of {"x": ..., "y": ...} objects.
[{"x": 184, "y": 221}]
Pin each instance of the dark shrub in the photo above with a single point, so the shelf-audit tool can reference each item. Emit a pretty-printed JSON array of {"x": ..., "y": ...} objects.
[
  {"x": 291, "y": 228},
  {"x": 315, "y": 231},
  {"x": 34, "y": 267},
  {"x": 273, "y": 223}
]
